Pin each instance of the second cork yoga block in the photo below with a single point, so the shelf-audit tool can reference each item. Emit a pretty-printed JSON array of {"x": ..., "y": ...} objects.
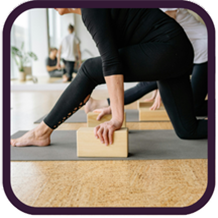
[
  {"x": 145, "y": 114},
  {"x": 89, "y": 146},
  {"x": 92, "y": 122}
]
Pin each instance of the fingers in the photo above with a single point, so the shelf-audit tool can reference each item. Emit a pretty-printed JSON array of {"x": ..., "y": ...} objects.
[
  {"x": 96, "y": 131},
  {"x": 105, "y": 136},
  {"x": 101, "y": 113},
  {"x": 110, "y": 136},
  {"x": 100, "y": 134},
  {"x": 97, "y": 110},
  {"x": 148, "y": 100},
  {"x": 153, "y": 107},
  {"x": 158, "y": 105},
  {"x": 100, "y": 116}
]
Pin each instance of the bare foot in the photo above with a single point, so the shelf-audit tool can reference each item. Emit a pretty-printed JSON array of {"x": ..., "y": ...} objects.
[
  {"x": 40, "y": 136},
  {"x": 65, "y": 78},
  {"x": 93, "y": 104}
]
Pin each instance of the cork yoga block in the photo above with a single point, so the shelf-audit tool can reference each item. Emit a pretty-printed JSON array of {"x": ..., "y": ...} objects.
[
  {"x": 145, "y": 114},
  {"x": 92, "y": 122},
  {"x": 89, "y": 146}
]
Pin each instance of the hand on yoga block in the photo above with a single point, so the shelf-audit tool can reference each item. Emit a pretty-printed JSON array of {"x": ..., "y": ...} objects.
[
  {"x": 142, "y": 104},
  {"x": 93, "y": 122},
  {"x": 145, "y": 114},
  {"x": 89, "y": 146}
]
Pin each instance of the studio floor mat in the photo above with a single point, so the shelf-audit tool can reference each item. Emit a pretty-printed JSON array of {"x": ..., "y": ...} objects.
[{"x": 143, "y": 145}]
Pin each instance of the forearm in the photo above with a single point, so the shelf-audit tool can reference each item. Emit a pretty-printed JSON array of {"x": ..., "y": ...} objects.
[
  {"x": 79, "y": 53},
  {"x": 59, "y": 56},
  {"x": 116, "y": 92},
  {"x": 154, "y": 94},
  {"x": 79, "y": 56},
  {"x": 49, "y": 68}
]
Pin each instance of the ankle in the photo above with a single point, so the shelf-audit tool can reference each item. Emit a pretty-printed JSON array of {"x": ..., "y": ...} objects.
[{"x": 43, "y": 130}]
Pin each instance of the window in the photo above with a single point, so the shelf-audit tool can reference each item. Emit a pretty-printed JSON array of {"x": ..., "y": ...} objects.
[{"x": 19, "y": 34}]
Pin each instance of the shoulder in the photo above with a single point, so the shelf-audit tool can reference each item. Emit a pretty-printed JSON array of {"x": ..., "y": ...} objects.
[{"x": 92, "y": 13}]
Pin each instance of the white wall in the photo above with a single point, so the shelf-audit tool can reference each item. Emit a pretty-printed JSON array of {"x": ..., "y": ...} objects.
[
  {"x": 19, "y": 35},
  {"x": 38, "y": 40},
  {"x": 38, "y": 36},
  {"x": 60, "y": 25},
  {"x": 87, "y": 46}
]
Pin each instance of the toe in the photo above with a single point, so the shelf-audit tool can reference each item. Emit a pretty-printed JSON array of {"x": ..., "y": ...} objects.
[{"x": 13, "y": 142}]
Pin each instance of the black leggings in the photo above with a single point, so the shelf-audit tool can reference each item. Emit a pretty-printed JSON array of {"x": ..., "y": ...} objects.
[
  {"x": 168, "y": 63},
  {"x": 199, "y": 88},
  {"x": 69, "y": 66}
]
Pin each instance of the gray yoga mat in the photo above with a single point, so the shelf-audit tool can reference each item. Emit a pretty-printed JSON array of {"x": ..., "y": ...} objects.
[
  {"x": 80, "y": 117},
  {"x": 143, "y": 145}
]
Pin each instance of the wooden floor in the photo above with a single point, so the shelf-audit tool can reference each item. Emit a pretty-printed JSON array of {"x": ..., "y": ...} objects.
[
  {"x": 143, "y": 183},
  {"x": 40, "y": 80}
]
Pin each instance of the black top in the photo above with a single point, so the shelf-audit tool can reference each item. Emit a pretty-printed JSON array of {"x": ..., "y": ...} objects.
[
  {"x": 51, "y": 62},
  {"x": 112, "y": 29}
]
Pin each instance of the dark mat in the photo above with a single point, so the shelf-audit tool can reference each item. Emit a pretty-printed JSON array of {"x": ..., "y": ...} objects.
[
  {"x": 143, "y": 145},
  {"x": 80, "y": 117}
]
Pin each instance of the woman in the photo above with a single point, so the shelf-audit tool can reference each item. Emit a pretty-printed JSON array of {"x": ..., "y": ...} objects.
[
  {"x": 135, "y": 45},
  {"x": 197, "y": 34}
]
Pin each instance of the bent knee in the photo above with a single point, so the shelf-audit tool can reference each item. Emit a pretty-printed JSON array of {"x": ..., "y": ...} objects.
[
  {"x": 185, "y": 134},
  {"x": 85, "y": 65},
  {"x": 92, "y": 69},
  {"x": 90, "y": 65}
]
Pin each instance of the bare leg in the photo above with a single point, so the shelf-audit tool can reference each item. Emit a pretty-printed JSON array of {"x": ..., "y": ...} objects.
[
  {"x": 40, "y": 136},
  {"x": 94, "y": 104}
]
